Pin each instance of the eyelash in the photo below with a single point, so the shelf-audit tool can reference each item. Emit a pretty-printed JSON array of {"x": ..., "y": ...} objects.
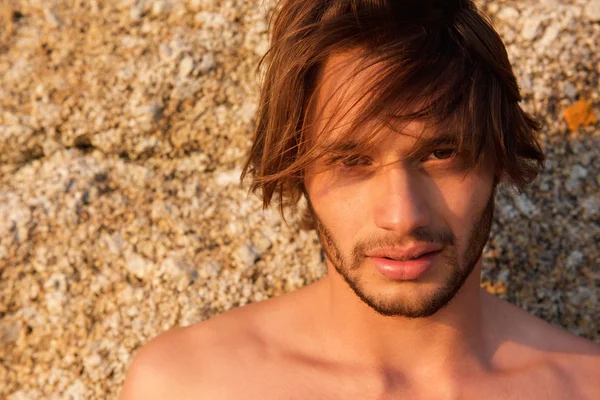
[
  {"x": 452, "y": 155},
  {"x": 344, "y": 160}
]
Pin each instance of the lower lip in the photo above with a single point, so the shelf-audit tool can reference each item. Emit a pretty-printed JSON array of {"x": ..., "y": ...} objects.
[{"x": 404, "y": 270}]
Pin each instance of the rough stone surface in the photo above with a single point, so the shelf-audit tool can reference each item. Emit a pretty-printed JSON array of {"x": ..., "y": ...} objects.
[
  {"x": 579, "y": 113},
  {"x": 123, "y": 126},
  {"x": 592, "y": 10}
]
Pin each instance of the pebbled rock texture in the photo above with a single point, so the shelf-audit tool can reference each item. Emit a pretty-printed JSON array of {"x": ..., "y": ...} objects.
[{"x": 123, "y": 128}]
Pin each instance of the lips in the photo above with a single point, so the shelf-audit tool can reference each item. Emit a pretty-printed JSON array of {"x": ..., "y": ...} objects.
[
  {"x": 406, "y": 258},
  {"x": 404, "y": 254},
  {"x": 408, "y": 270}
]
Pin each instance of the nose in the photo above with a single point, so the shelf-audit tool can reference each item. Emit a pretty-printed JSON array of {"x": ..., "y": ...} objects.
[{"x": 400, "y": 204}]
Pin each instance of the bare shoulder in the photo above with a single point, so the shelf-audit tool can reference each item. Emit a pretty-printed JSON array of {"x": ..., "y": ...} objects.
[
  {"x": 520, "y": 326},
  {"x": 552, "y": 338},
  {"x": 151, "y": 373},
  {"x": 226, "y": 356},
  {"x": 570, "y": 359},
  {"x": 576, "y": 363},
  {"x": 184, "y": 360},
  {"x": 579, "y": 360}
]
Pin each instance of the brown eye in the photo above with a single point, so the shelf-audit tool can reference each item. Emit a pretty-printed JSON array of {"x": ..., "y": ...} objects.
[
  {"x": 354, "y": 161},
  {"x": 443, "y": 154}
]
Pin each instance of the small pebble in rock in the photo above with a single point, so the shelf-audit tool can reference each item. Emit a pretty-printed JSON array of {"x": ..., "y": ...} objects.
[
  {"x": 207, "y": 63},
  {"x": 135, "y": 13},
  {"x": 574, "y": 182},
  {"x": 526, "y": 206},
  {"x": 592, "y": 10},
  {"x": 508, "y": 14},
  {"x": 195, "y": 5},
  {"x": 76, "y": 390},
  {"x": 138, "y": 265},
  {"x": 530, "y": 29},
  {"x": 160, "y": 7},
  {"x": 228, "y": 177},
  {"x": 590, "y": 206},
  {"x": 165, "y": 52},
  {"x": 246, "y": 255},
  {"x": 186, "y": 66},
  {"x": 261, "y": 243},
  {"x": 549, "y": 36},
  {"x": 247, "y": 112},
  {"x": 9, "y": 332},
  {"x": 212, "y": 268},
  {"x": 51, "y": 18},
  {"x": 570, "y": 90},
  {"x": 574, "y": 260}
]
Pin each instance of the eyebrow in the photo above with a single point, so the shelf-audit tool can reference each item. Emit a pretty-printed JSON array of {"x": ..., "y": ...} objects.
[
  {"x": 446, "y": 138},
  {"x": 438, "y": 140},
  {"x": 347, "y": 146}
]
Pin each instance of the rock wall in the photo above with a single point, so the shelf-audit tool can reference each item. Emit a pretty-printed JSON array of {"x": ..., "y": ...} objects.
[{"x": 123, "y": 128}]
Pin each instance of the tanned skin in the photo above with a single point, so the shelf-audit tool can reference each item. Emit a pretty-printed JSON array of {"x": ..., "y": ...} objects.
[{"x": 356, "y": 334}]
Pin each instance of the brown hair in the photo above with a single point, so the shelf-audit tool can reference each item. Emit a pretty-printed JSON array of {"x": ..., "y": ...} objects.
[{"x": 439, "y": 61}]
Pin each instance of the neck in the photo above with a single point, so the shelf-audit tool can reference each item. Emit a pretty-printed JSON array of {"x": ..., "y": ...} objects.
[{"x": 450, "y": 340}]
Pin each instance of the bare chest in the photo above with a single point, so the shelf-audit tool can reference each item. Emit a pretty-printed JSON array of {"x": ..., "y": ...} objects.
[{"x": 284, "y": 381}]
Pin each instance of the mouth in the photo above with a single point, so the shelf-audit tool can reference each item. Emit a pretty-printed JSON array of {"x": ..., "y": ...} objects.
[
  {"x": 405, "y": 254},
  {"x": 412, "y": 258},
  {"x": 402, "y": 259},
  {"x": 405, "y": 268}
]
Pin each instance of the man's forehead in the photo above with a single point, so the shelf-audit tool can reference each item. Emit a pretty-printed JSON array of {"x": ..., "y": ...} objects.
[
  {"x": 337, "y": 90},
  {"x": 410, "y": 130},
  {"x": 340, "y": 95},
  {"x": 376, "y": 132},
  {"x": 339, "y": 67}
]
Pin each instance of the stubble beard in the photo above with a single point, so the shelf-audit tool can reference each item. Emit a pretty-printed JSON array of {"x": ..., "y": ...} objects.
[{"x": 424, "y": 307}]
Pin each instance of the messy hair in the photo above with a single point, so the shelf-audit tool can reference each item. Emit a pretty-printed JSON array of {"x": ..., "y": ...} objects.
[{"x": 437, "y": 61}]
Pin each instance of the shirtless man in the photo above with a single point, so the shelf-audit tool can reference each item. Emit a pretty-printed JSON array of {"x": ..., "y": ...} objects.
[{"x": 395, "y": 121}]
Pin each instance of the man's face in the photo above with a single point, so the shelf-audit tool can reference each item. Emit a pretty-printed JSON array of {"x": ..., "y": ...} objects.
[{"x": 378, "y": 201}]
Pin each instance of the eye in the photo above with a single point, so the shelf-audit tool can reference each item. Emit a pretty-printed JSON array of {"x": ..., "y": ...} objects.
[
  {"x": 442, "y": 154},
  {"x": 353, "y": 161}
]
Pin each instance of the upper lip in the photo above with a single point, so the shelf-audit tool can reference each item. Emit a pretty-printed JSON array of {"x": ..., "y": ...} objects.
[{"x": 411, "y": 252}]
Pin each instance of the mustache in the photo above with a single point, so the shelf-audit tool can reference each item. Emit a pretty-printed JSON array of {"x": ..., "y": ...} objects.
[{"x": 417, "y": 236}]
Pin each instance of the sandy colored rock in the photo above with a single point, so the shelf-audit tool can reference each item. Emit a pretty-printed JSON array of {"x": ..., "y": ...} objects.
[
  {"x": 123, "y": 130},
  {"x": 592, "y": 10}
]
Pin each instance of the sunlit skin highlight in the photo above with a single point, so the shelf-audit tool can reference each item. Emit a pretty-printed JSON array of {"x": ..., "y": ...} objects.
[
  {"x": 438, "y": 183},
  {"x": 397, "y": 196},
  {"x": 440, "y": 128},
  {"x": 384, "y": 198}
]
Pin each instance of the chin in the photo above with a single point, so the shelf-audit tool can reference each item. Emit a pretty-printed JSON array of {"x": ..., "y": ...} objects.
[{"x": 411, "y": 299}]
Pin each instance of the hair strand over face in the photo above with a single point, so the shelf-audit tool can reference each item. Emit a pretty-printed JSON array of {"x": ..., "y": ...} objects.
[{"x": 437, "y": 61}]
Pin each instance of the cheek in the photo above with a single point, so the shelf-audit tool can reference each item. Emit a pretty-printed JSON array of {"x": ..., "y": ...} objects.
[
  {"x": 462, "y": 204},
  {"x": 341, "y": 210},
  {"x": 454, "y": 203}
]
